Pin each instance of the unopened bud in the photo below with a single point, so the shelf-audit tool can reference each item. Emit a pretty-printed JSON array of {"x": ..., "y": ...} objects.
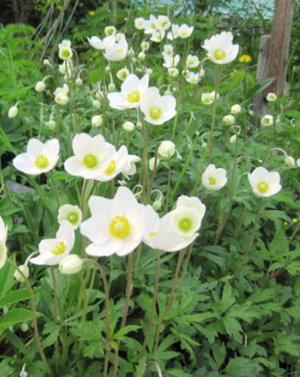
[
  {"x": 13, "y": 112},
  {"x": 128, "y": 126},
  {"x": 233, "y": 139},
  {"x": 166, "y": 149},
  {"x": 78, "y": 81},
  {"x": 71, "y": 264},
  {"x": 97, "y": 120},
  {"x": 152, "y": 163},
  {"x": 229, "y": 120},
  {"x": 96, "y": 104},
  {"x": 22, "y": 273},
  {"x": 111, "y": 87},
  {"x": 290, "y": 161},
  {"x": 40, "y": 86}
]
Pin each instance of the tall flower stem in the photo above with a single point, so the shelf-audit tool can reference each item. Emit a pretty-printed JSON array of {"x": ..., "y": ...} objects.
[
  {"x": 54, "y": 187},
  {"x": 171, "y": 298},
  {"x": 145, "y": 175},
  {"x": 34, "y": 316},
  {"x": 56, "y": 317},
  {"x": 154, "y": 300},
  {"x": 125, "y": 313},
  {"x": 214, "y": 113},
  {"x": 107, "y": 315}
]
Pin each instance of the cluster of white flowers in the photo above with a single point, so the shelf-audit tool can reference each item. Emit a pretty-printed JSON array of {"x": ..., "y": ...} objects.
[
  {"x": 114, "y": 44},
  {"x": 94, "y": 158},
  {"x": 135, "y": 93}
]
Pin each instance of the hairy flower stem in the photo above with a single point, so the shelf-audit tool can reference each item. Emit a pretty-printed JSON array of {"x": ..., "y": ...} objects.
[
  {"x": 171, "y": 298},
  {"x": 55, "y": 316},
  {"x": 34, "y": 317},
  {"x": 210, "y": 142},
  {"x": 154, "y": 299},
  {"x": 125, "y": 313},
  {"x": 107, "y": 315},
  {"x": 54, "y": 187}
]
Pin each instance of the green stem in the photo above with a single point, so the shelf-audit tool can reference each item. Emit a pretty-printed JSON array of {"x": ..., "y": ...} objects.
[
  {"x": 55, "y": 316},
  {"x": 154, "y": 299},
  {"x": 54, "y": 187},
  {"x": 107, "y": 315},
  {"x": 214, "y": 113},
  {"x": 171, "y": 298},
  {"x": 125, "y": 313},
  {"x": 34, "y": 316}
]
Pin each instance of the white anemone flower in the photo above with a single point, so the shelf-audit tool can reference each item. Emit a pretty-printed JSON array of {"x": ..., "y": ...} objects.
[
  {"x": 130, "y": 168},
  {"x": 209, "y": 97},
  {"x": 185, "y": 31},
  {"x": 220, "y": 49},
  {"x": 267, "y": 120},
  {"x": 116, "y": 225},
  {"x": 39, "y": 157},
  {"x": 264, "y": 183},
  {"x": 168, "y": 50},
  {"x": 192, "y": 61},
  {"x": 157, "y": 36},
  {"x": 53, "y": 250},
  {"x": 151, "y": 25},
  {"x": 132, "y": 91},
  {"x": 163, "y": 22},
  {"x": 174, "y": 33},
  {"x": 156, "y": 108},
  {"x": 70, "y": 213},
  {"x": 102, "y": 44},
  {"x": 3, "y": 238},
  {"x": 61, "y": 95},
  {"x": 178, "y": 228},
  {"x": 91, "y": 154},
  {"x": 213, "y": 178},
  {"x": 171, "y": 61},
  {"x": 193, "y": 77},
  {"x": 117, "y": 51},
  {"x": 139, "y": 23},
  {"x": 122, "y": 74}
]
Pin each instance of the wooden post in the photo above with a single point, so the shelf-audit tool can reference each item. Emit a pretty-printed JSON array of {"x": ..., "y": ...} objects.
[{"x": 274, "y": 50}]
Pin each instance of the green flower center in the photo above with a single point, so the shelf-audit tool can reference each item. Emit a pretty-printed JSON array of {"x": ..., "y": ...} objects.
[
  {"x": 66, "y": 53},
  {"x": 212, "y": 181},
  {"x": 185, "y": 224},
  {"x": 119, "y": 227},
  {"x": 155, "y": 112},
  {"x": 90, "y": 160},
  {"x": 134, "y": 96},
  {"x": 111, "y": 168},
  {"x": 41, "y": 161},
  {"x": 263, "y": 186},
  {"x": 219, "y": 54},
  {"x": 59, "y": 248},
  {"x": 72, "y": 218}
]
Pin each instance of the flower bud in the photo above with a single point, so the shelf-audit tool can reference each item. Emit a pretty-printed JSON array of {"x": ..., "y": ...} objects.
[
  {"x": 149, "y": 71},
  {"x": 51, "y": 124},
  {"x": 271, "y": 97},
  {"x": 110, "y": 30},
  {"x": 233, "y": 139},
  {"x": 24, "y": 327},
  {"x": 139, "y": 125},
  {"x": 96, "y": 104},
  {"x": 40, "y": 86},
  {"x": 204, "y": 145},
  {"x": 267, "y": 120},
  {"x": 157, "y": 205},
  {"x": 152, "y": 163},
  {"x": 25, "y": 271},
  {"x": 235, "y": 109},
  {"x": 78, "y": 81},
  {"x": 128, "y": 126},
  {"x": 173, "y": 72},
  {"x": 131, "y": 52},
  {"x": 107, "y": 68},
  {"x": 97, "y": 120},
  {"x": 141, "y": 55},
  {"x": 290, "y": 161},
  {"x": 111, "y": 87},
  {"x": 145, "y": 46},
  {"x": 46, "y": 62},
  {"x": 229, "y": 120},
  {"x": 71, "y": 264},
  {"x": 13, "y": 112},
  {"x": 166, "y": 149}
]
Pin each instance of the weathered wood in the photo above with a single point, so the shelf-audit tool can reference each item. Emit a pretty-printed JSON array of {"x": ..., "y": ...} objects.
[
  {"x": 273, "y": 55},
  {"x": 279, "y": 44}
]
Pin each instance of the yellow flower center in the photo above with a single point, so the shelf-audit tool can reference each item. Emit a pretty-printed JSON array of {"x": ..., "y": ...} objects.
[
  {"x": 185, "y": 224},
  {"x": 212, "y": 181},
  {"x": 111, "y": 168},
  {"x": 41, "y": 161},
  {"x": 153, "y": 26},
  {"x": 72, "y": 218},
  {"x": 134, "y": 96},
  {"x": 153, "y": 234},
  {"x": 263, "y": 186},
  {"x": 219, "y": 54},
  {"x": 119, "y": 227},
  {"x": 155, "y": 112},
  {"x": 59, "y": 248},
  {"x": 184, "y": 34},
  {"x": 90, "y": 160}
]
